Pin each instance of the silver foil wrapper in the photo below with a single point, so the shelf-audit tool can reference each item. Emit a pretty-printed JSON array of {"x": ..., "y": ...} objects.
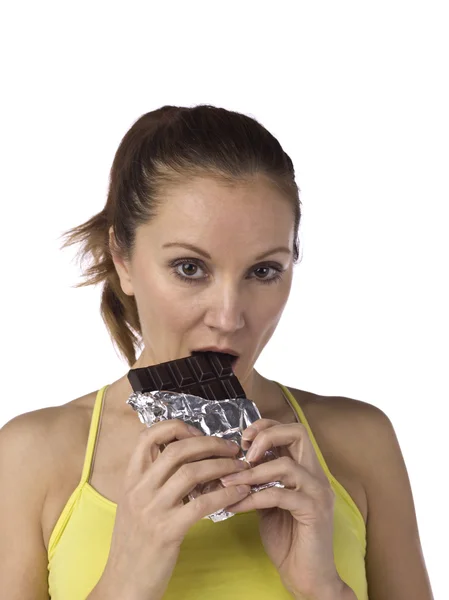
[{"x": 223, "y": 418}]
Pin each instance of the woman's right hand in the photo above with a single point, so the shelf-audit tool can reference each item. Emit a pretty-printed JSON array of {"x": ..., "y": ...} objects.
[{"x": 151, "y": 519}]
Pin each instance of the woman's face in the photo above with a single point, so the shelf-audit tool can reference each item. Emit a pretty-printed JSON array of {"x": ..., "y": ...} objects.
[{"x": 222, "y": 293}]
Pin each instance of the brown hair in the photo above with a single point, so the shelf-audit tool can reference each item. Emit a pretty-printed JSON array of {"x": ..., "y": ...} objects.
[{"x": 165, "y": 147}]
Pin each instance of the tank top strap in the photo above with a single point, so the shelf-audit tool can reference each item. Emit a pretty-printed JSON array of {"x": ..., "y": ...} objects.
[
  {"x": 93, "y": 434},
  {"x": 296, "y": 408}
]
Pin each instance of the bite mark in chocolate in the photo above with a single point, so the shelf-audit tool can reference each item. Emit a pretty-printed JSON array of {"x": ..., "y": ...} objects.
[{"x": 205, "y": 374}]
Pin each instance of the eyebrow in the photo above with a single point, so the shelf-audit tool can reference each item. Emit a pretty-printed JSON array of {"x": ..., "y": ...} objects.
[{"x": 207, "y": 255}]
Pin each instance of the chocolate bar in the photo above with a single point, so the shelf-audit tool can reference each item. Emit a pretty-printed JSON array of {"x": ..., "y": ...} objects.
[
  {"x": 208, "y": 375},
  {"x": 188, "y": 389}
]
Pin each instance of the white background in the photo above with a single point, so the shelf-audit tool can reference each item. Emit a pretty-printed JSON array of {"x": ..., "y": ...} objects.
[{"x": 358, "y": 96}]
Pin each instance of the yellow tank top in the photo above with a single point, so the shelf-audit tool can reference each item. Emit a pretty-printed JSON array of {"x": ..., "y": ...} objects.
[{"x": 217, "y": 560}]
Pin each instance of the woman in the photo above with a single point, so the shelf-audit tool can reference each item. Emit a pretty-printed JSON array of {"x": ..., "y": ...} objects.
[{"x": 196, "y": 247}]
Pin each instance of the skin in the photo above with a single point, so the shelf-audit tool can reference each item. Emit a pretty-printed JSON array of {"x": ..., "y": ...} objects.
[
  {"x": 228, "y": 304},
  {"x": 232, "y": 306}
]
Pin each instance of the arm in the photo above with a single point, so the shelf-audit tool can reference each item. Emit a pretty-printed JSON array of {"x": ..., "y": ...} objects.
[
  {"x": 23, "y": 464},
  {"x": 394, "y": 562}
]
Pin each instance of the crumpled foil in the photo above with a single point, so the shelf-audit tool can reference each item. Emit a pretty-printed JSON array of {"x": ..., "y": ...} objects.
[{"x": 223, "y": 418}]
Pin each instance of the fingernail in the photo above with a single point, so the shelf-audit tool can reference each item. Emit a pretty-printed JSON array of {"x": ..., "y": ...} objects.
[
  {"x": 243, "y": 489},
  {"x": 229, "y": 478},
  {"x": 194, "y": 430},
  {"x": 252, "y": 452},
  {"x": 247, "y": 435},
  {"x": 231, "y": 444}
]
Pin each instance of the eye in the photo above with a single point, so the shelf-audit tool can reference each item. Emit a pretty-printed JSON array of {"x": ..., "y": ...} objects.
[
  {"x": 276, "y": 277},
  {"x": 186, "y": 275}
]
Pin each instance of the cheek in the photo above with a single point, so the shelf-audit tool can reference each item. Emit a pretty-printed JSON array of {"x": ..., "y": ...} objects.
[
  {"x": 264, "y": 317},
  {"x": 264, "y": 324},
  {"x": 267, "y": 309},
  {"x": 162, "y": 307}
]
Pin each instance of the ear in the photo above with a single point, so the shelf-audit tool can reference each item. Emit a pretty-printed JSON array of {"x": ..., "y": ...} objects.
[{"x": 121, "y": 265}]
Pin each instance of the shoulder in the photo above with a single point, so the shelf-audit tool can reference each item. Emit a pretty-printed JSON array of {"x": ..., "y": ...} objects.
[
  {"x": 30, "y": 431},
  {"x": 43, "y": 425},
  {"x": 35, "y": 441},
  {"x": 366, "y": 437},
  {"x": 358, "y": 429},
  {"x": 26, "y": 459},
  {"x": 366, "y": 431},
  {"x": 326, "y": 409}
]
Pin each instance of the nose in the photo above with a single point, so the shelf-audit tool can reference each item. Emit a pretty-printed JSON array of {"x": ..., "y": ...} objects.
[{"x": 225, "y": 310}]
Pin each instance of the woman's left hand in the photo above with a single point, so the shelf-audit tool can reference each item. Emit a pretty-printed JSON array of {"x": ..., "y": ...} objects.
[{"x": 296, "y": 522}]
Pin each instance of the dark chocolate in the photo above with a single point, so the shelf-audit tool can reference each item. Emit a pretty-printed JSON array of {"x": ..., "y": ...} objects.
[{"x": 205, "y": 374}]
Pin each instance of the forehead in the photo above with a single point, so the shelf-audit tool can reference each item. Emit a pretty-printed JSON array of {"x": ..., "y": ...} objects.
[{"x": 205, "y": 208}]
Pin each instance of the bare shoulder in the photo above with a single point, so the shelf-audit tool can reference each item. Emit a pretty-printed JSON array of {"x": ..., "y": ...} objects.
[
  {"x": 341, "y": 409},
  {"x": 39, "y": 438},
  {"x": 364, "y": 438},
  {"x": 47, "y": 424},
  {"x": 363, "y": 429},
  {"x": 353, "y": 429},
  {"x": 30, "y": 447}
]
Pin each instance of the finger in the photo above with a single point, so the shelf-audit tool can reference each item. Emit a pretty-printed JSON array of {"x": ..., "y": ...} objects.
[
  {"x": 210, "y": 503},
  {"x": 250, "y": 432},
  {"x": 151, "y": 438},
  {"x": 298, "y": 503},
  {"x": 189, "y": 475},
  {"x": 186, "y": 451},
  {"x": 295, "y": 438},
  {"x": 293, "y": 475}
]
